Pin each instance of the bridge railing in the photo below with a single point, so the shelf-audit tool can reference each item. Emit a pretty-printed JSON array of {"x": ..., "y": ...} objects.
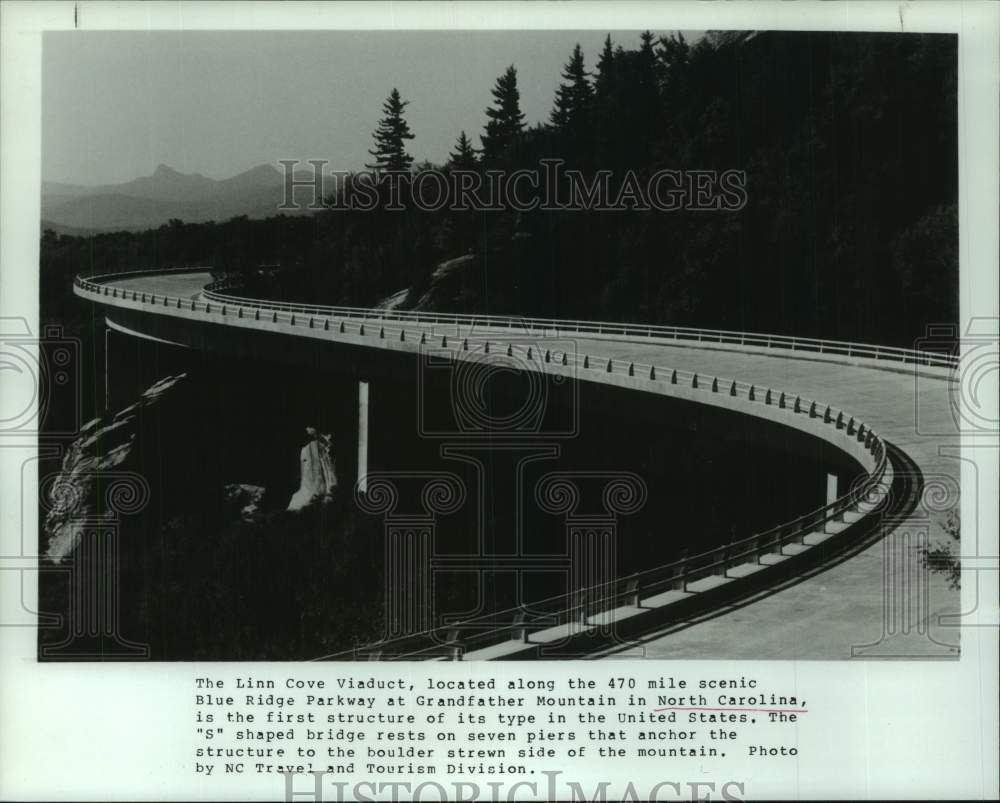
[
  {"x": 455, "y": 637},
  {"x": 218, "y": 291},
  {"x": 575, "y": 609}
]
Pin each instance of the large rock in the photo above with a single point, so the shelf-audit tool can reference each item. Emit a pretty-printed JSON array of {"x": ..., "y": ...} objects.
[
  {"x": 245, "y": 499},
  {"x": 318, "y": 476}
]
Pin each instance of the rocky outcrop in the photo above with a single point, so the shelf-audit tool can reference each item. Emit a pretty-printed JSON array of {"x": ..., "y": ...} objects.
[
  {"x": 103, "y": 444},
  {"x": 318, "y": 477},
  {"x": 245, "y": 500}
]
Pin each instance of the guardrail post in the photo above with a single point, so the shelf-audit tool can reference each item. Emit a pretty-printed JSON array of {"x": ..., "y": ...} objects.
[
  {"x": 767, "y": 396},
  {"x": 423, "y": 338},
  {"x": 565, "y": 359},
  {"x": 827, "y": 416},
  {"x": 812, "y": 410},
  {"x": 675, "y": 581},
  {"x": 381, "y": 332},
  {"x": 580, "y": 608},
  {"x": 510, "y": 350},
  {"x": 781, "y": 401},
  {"x": 453, "y": 644},
  {"x": 673, "y": 377},
  {"x": 402, "y": 335},
  {"x": 631, "y": 369},
  {"x": 798, "y": 404},
  {"x": 850, "y": 426},
  {"x": 732, "y": 388},
  {"x": 715, "y": 385},
  {"x": 694, "y": 381},
  {"x": 759, "y": 549},
  {"x": 529, "y": 353},
  {"x": 633, "y": 591},
  {"x": 341, "y": 329},
  {"x": 239, "y": 312},
  {"x": 840, "y": 420},
  {"x": 586, "y": 361},
  {"x": 486, "y": 348},
  {"x": 723, "y": 553},
  {"x": 752, "y": 395},
  {"x": 861, "y": 432},
  {"x": 548, "y": 356},
  {"x": 520, "y": 632},
  {"x": 610, "y": 368},
  {"x": 361, "y": 329},
  {"x": 326, "y": 325},
  {"x": 444, "y": 341},
  {"x": 652, "y": 372},
  {"x": 274, "y": 317}
]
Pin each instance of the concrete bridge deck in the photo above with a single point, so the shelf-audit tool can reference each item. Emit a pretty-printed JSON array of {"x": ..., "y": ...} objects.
[{"x": 856, "y": 608}]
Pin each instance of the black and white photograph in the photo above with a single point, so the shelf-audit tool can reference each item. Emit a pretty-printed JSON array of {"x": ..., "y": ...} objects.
[
  {"x": 652, "y": 343},
  {"x": 631, "y": 345}
]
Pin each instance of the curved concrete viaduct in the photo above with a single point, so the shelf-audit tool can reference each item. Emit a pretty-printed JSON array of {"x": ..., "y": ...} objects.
[{"x": 844, "y": 581}]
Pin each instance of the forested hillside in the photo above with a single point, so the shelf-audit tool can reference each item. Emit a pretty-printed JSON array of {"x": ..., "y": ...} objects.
[{"x": 850, "y": 228}]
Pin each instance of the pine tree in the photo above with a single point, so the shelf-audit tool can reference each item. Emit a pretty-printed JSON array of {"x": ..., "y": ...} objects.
[
  {"x": 506, "y": 121},
  {"x": 390, "y": 137},
  {"x": 604, "y": 80},
  {"x": 573, "y": 97},
  {"x": 464, "y": 155}
]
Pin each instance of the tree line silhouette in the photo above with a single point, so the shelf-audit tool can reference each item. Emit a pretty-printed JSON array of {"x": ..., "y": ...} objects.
[{"x": 848, "y": 142}]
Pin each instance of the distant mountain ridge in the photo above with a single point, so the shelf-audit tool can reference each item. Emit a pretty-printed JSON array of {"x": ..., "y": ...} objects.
[{"x": 150, "y": 201}]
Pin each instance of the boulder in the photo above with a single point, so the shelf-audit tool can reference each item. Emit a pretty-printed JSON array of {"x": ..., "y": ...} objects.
[{"x": 318, "y": 476}]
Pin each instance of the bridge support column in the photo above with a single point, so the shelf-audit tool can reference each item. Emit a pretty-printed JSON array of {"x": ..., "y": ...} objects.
[
  {"x": 362, "y": 436},
  {"x": 831, "y": 497},
  {"x": 107, "y": 367}
]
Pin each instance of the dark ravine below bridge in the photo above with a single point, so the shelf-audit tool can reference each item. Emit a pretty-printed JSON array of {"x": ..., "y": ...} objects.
[{"x": 863, "y": 396}]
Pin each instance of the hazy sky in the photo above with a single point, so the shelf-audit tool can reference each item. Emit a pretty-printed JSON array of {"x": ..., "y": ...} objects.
[{"x": 115, "y": 105}]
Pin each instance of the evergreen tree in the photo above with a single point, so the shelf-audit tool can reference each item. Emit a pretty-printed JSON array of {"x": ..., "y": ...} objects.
[
  {"x": 464, "y": 155},
  {"x": 390, "y": 137},
  {"x": 636, "y": 104},
  {"x": 604, "y": 79},
  {"x": 506, "y": 121},
  {"x": 574, "y": 98}
]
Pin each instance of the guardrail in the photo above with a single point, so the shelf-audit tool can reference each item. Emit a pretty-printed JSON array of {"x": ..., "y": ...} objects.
[
  {"x": 214, "y": 291},
  {"x": 454, "y": 638}
]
